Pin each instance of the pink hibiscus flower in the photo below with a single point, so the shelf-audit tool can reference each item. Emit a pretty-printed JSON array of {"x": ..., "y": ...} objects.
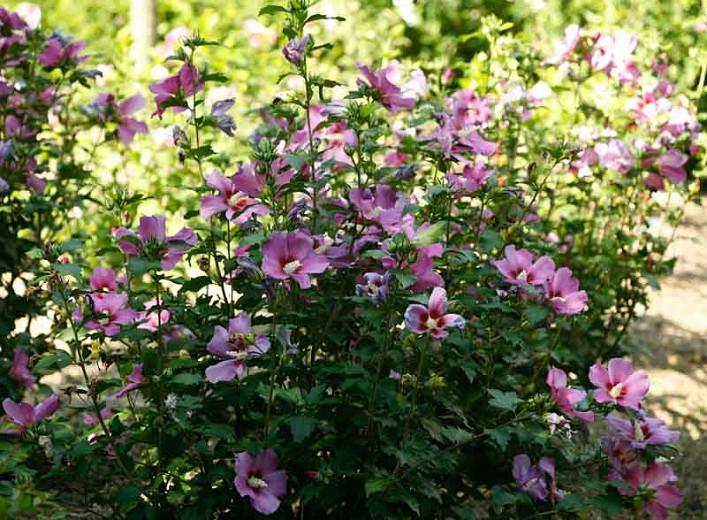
[
  {"x": 25, "y": 415},
  {"x": 103, "y": 279},
  {"x": 432, "y": 319},
  {"x": 518, "y": 267},
  {"x": 563, "y": 294},
  {"x": 235, "y": 196},
  {"x": 382, "y": 205},
  {"x": 58, "y": 52},
  {"x": 151, "y": 320},
  {"x": 658, "y": 479},
  {"x": 619, "y": 384},
  {"x": 615, "y": 155},
  {"x": 564, "y": 48},
  {"x": 538, "y": 480},
  {"x": 671, "y": 163},
  {"x": 390, "y": 95},
  {"x": 566, "y": 397},
  {"x": 20, "y": 371},
  {"x": 473, "y": 176},
  {"x": 291, "y": 255},
  {"x": 173, "y": 91},
  {"x": 152, "y": 241},
  {"x": 110, "y": 310}
]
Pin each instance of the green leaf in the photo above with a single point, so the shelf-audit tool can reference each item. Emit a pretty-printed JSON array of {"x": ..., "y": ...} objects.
[
  {"x": 376, "y": 485},
  {"x": 430, "y": 234},
  {"x": 292, "y": 395},
  {"x": 316, "y": 17},
  {"x": 139, "y": 266},
  {"x": 70, "y": 245},
  {"x": 503, "y": 400},
  {"x": 571, "y": 503},
  {"x": 149, "y": 360},
  {"x": 301, "y": 426},
  {"x": 536, "y": 313},
  {"x": 499, "y": 436},
  {"x": 297, "y": 161},
  {"x": 220, "y": 431},
  {"x": 405, "y": 278},
  {"x": 126, "y": 495},
  {"x": 69, "y": 269},
  {"x": 272, "y": 9},
  {"x": 490, "y": 240},
  {"x": 186, "y": 378},
  {"x": 195, "y": 284},
  {"x": 500, "y": 496},
  {"x": 457, "y": 435}
]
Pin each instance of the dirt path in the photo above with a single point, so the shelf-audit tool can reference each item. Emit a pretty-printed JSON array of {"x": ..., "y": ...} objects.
[{"x": 672, "y": 338}]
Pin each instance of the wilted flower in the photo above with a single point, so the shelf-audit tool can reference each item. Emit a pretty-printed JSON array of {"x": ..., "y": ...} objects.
[
  {"x": 294, "y": 51},
  {"x": 375, "y": 286},
  {"x": 135, "y": 380},
  {"x": 537, "y": 480},
  {"x": 223, "y": 121}
]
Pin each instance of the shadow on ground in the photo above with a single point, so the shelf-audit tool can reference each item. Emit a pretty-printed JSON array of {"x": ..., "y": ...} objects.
[{"x": 671, "y": 345}]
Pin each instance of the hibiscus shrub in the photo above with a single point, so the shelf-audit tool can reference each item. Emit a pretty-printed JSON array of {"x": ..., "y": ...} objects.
[{"x": 411, "y": 300}]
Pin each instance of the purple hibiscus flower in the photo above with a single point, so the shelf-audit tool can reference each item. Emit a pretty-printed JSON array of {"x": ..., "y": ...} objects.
[
  {"x": 259, "y": 479},
  {"x": 234, "y": 345}
]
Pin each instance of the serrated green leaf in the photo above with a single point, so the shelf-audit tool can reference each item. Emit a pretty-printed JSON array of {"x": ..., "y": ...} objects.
[
  {"x": 503, "y": 400},
  {"x": 301, "y": 427}
]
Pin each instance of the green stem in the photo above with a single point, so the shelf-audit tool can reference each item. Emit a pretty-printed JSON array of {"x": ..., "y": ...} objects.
[
  {"x": 376, "y": 380},
  {"x": 310, "y": 139},
  {"x": 416, "y": 388},
  {"x": 76, "y": 350},
  {"x": 160, "y": 365}
]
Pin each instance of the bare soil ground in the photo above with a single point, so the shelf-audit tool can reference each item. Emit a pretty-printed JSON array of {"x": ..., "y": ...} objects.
[{"x": 672, "y": 346}]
